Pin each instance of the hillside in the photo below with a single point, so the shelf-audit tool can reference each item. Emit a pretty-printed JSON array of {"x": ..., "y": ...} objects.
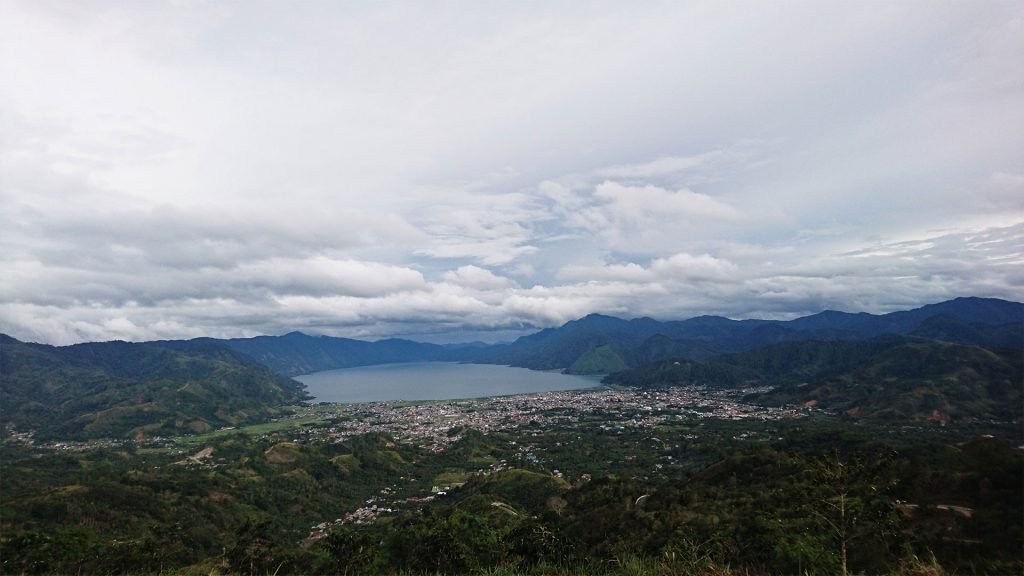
[
  {"x": 892, "y": 377},
  {"x": 599, "y": 344},
  {"x": 596, "y": 343},
  {"x": 948, "y": 328},
  {"x": 243, "y": 504},
  {"x": 296, "y": 353},
  {"x": 119, "y": 389}
]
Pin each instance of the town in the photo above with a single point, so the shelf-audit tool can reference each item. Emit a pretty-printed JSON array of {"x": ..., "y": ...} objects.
[
  {"x": 433, "y": 426},
  {"x": 430, "y": 424}
]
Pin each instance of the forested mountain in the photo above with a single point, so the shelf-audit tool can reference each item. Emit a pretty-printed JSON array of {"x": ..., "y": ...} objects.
[
  {"x": 948, "y": 328},
  {"x": 118, "y": 388},
  {"x": 599, "y": 344},
  {"x": 893, "y": 377},
  {"x": 135, "y": 389},
  {"x": 296, "y": 353}
]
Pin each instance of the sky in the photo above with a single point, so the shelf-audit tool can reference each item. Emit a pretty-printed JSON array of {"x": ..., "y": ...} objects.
[{"x": 456, "y": 171}]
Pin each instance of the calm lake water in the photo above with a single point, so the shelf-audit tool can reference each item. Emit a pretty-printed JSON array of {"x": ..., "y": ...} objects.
[{"x": 434, "y": 381}]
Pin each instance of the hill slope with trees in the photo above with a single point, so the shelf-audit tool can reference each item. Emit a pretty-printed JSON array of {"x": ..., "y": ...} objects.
[
  {"x": 893, "y": 377},
  {"x": 296, "y": 353},
  {"x": 119, "y": 389},
  {"x": 600, "y": 344},
  {"x": 597, "y": 344}
]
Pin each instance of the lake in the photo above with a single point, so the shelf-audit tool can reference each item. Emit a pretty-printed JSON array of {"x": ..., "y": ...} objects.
[{"x": 434, "y": 381}]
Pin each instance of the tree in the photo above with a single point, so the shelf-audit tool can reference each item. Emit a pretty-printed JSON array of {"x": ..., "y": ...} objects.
[
  {"x": 255, "y": 550},
  {"x": 854, "y": 504}
]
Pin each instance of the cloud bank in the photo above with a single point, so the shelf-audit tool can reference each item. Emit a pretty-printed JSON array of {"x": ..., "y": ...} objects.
[{"x": 170, "y": 170}]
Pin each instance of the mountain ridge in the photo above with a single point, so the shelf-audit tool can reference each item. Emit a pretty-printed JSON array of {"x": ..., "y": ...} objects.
[
  {"x": 574, "y": 346},
  {"x": 125, "y": 389},
  {"x": 174, "y": 386},
  {"x": 993, "y": 322},
  {"x": 893, "y": 377},
  {"x": 297, "y": 353}
]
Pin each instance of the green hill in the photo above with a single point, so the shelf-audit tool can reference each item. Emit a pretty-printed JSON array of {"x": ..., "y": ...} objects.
[
  {"x": 588, "y": 345},
  {"x": 121, "y": 389},
  {"x": 601, "y": 360},
  {"x": 891, "y": 377},
  {"x": 296, "y": 353}
]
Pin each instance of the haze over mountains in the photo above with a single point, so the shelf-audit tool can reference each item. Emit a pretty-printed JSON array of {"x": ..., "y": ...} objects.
[
  {"x": 959, "y": 358},
  {"x": 599, "y": 344}
]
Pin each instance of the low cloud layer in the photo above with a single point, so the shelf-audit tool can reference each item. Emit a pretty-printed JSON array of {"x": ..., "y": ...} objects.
[{"x": 174, "y": 170}]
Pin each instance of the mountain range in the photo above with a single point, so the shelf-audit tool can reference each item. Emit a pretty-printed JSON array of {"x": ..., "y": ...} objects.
[
  {"x": 296, "y": 353},
  {"x": 599, "y": 344},
  {"x": 123, "y": 389},
  {"x": 893, "y": 377},
  {"x": 959, "y": 358}
]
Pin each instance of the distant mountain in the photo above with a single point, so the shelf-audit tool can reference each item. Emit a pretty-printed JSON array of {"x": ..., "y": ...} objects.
[
  {"x": 948, "y": 328},
  {"x": 559, "y": 348},
  {"x": 981, "y": 311},
  {"x": 121, "y": 389},
  {"x": 597, "y": 343},
  {"x": 891, "y": 376},
  {"x": 297, "y": 353},
  {"x": 609, "y": 358},
  {"x": 661, "y": 346},
  {"x": 600, "y": 344}
]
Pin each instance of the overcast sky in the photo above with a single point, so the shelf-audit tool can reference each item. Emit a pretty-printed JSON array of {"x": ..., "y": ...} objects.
[{"x": 470, "y": 170}]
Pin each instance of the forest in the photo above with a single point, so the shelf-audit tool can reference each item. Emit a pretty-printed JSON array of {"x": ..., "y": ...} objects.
[
  {"x": 816, "y": 495},
  {"x": 885, "y": 446}
]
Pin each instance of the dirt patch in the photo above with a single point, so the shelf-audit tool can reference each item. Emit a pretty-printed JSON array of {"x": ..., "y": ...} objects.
[{"x": 282, "y": 453}]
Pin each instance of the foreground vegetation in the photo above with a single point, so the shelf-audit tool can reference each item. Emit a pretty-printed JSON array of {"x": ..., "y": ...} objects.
[
  {"x": 690, "y": 497},
  {"x": 888, "y": 455}
]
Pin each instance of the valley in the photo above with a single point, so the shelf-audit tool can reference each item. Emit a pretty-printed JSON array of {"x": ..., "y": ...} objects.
[
  {"x": 729, "y": 464},
  {"x": 472, "y": 477}
]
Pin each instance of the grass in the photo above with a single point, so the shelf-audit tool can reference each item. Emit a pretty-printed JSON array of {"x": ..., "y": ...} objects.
[
  {"x": 256, "y": 429},
  {"x": 451, "y": 477}
]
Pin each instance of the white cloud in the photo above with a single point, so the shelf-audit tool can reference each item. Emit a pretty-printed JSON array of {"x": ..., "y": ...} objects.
[
  {"x": 1004, "y": 191},
  {"x": 659, "y": 167},
  {"x": 635, "y": 205},
  {"x": 177, "y": 169},
  {"x": 523, "y": 270},
  {"x": 490, "y": 228},
  {"x": 646, "y": 219},
  {"x": 684, "y": 266},
  {"x": 361, "y": 300},
  {"x": 321, "y": 275},
  {"x": 475, "y": 277},
  {"x": 496, "y": 251},
  {"x": 628, "y": 272}
]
